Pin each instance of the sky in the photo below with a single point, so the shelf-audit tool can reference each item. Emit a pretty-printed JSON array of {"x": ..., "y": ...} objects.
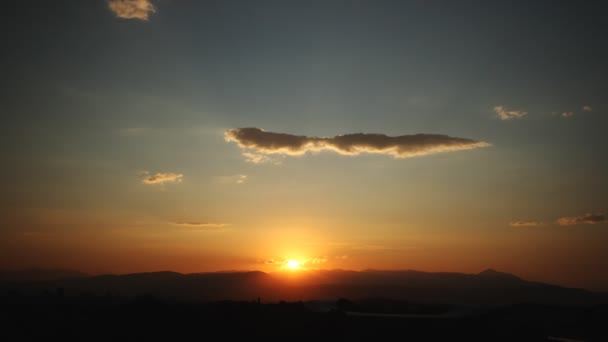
[{"x": 196, "y": 136}]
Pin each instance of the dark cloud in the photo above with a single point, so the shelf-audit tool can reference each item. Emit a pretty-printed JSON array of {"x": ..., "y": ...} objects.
[
  {"x": 588, "y": 218},
  {"x": 349, "y": 144}
]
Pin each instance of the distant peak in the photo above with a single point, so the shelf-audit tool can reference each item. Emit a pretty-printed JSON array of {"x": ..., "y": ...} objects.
[{"x": 490, "y": 272}]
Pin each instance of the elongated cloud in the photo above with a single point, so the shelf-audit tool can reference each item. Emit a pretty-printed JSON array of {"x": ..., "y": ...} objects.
[
  {"x": 567, "y": 114},
  {"x": 526, "y": 223},
  {"x": 303, "y": 262},
  {"x": 161, "y": 178},
  {"x": 504, "y": 114},
  {"x": 207, "y": 226},
  {"x": 588, "y": 218},
  {"x": 132, "y": 9},
  {"x": 587, "y": 109},
  {"x": 403, "y": 146}
]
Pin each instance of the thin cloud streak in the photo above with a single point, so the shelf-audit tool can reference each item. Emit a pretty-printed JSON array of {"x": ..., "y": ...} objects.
[
  {"x": 273, "y": 262},
  {"x": 526, "y": 223},
  {"x": 303, "y": 262},
  {"x": 132, "y": 9},
  {"x": 205, "y": 226},
  {"x": 587, "y": 109},
  {"x": 349, "y": 144},
  {"x": 255, "y": 158},
  {"x": 588, "y": 218}
]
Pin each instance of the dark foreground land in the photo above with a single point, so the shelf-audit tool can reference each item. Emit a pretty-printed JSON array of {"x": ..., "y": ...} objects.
[
  {"x": 53, "y": 316},
  {"x": 52, "y": 305}
]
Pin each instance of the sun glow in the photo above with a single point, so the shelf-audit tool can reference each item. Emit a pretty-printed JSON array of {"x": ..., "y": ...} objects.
[{"x": 293, "y": 264}]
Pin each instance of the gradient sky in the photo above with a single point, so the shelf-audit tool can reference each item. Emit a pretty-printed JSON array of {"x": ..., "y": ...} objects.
[{"x": 116, "y": 155}]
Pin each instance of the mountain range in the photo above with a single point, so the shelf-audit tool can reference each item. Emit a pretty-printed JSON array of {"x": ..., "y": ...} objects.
[{"x": 489, "y": 287}]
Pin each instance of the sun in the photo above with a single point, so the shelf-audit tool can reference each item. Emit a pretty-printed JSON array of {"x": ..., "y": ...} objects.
[{"x": 293, "y": 264}]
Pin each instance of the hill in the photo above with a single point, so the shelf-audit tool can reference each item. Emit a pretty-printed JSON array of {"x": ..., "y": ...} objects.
[{"x": 488, "y": 288}]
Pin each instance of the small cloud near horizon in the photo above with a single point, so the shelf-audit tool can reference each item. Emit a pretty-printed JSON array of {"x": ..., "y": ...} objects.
[
  {"x": 349, "y": 144},
  {"x": 588, "y": 218},
  {"x": 204, "y": 226},
  {"x": 526, "y": 223},
  {"x": 161, "y": 178},
  {"x": 303, "y": 262},
  {"x": 504, "y": 114},
  {"x": 587, "y": 108},
  {"x": 132, "y": 9},
  {"x": 567, "y": 114},
  {"x": 272, "y": 262}
]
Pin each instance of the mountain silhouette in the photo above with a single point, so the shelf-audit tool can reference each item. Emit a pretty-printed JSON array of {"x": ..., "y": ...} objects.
[
  {"x": 490, "y": 272},
  {"x": 489, "y": 287}
]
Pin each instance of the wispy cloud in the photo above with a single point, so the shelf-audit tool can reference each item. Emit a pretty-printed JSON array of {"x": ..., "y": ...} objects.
[
  {"x": 349, "y": 144},
  {"x": 315, "y": 261},
  {"x": 588, "y": 218},
  {"x": 526, "y": 223},
  {"x": 255, "y": 158},
  {"x": 587, "y": 108},
  {"x": 235, "y": 179},
  {"x": 205, "y": 226},
  {"x": 567, "y": 114},
  {"x": 161, "y": 178},
  {"x": 132, "y": 9},
  {"x": 504, "y": 114}
]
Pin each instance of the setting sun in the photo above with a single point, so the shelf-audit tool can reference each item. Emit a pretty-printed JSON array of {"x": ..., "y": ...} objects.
[{"x": 293, "y": 264}]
